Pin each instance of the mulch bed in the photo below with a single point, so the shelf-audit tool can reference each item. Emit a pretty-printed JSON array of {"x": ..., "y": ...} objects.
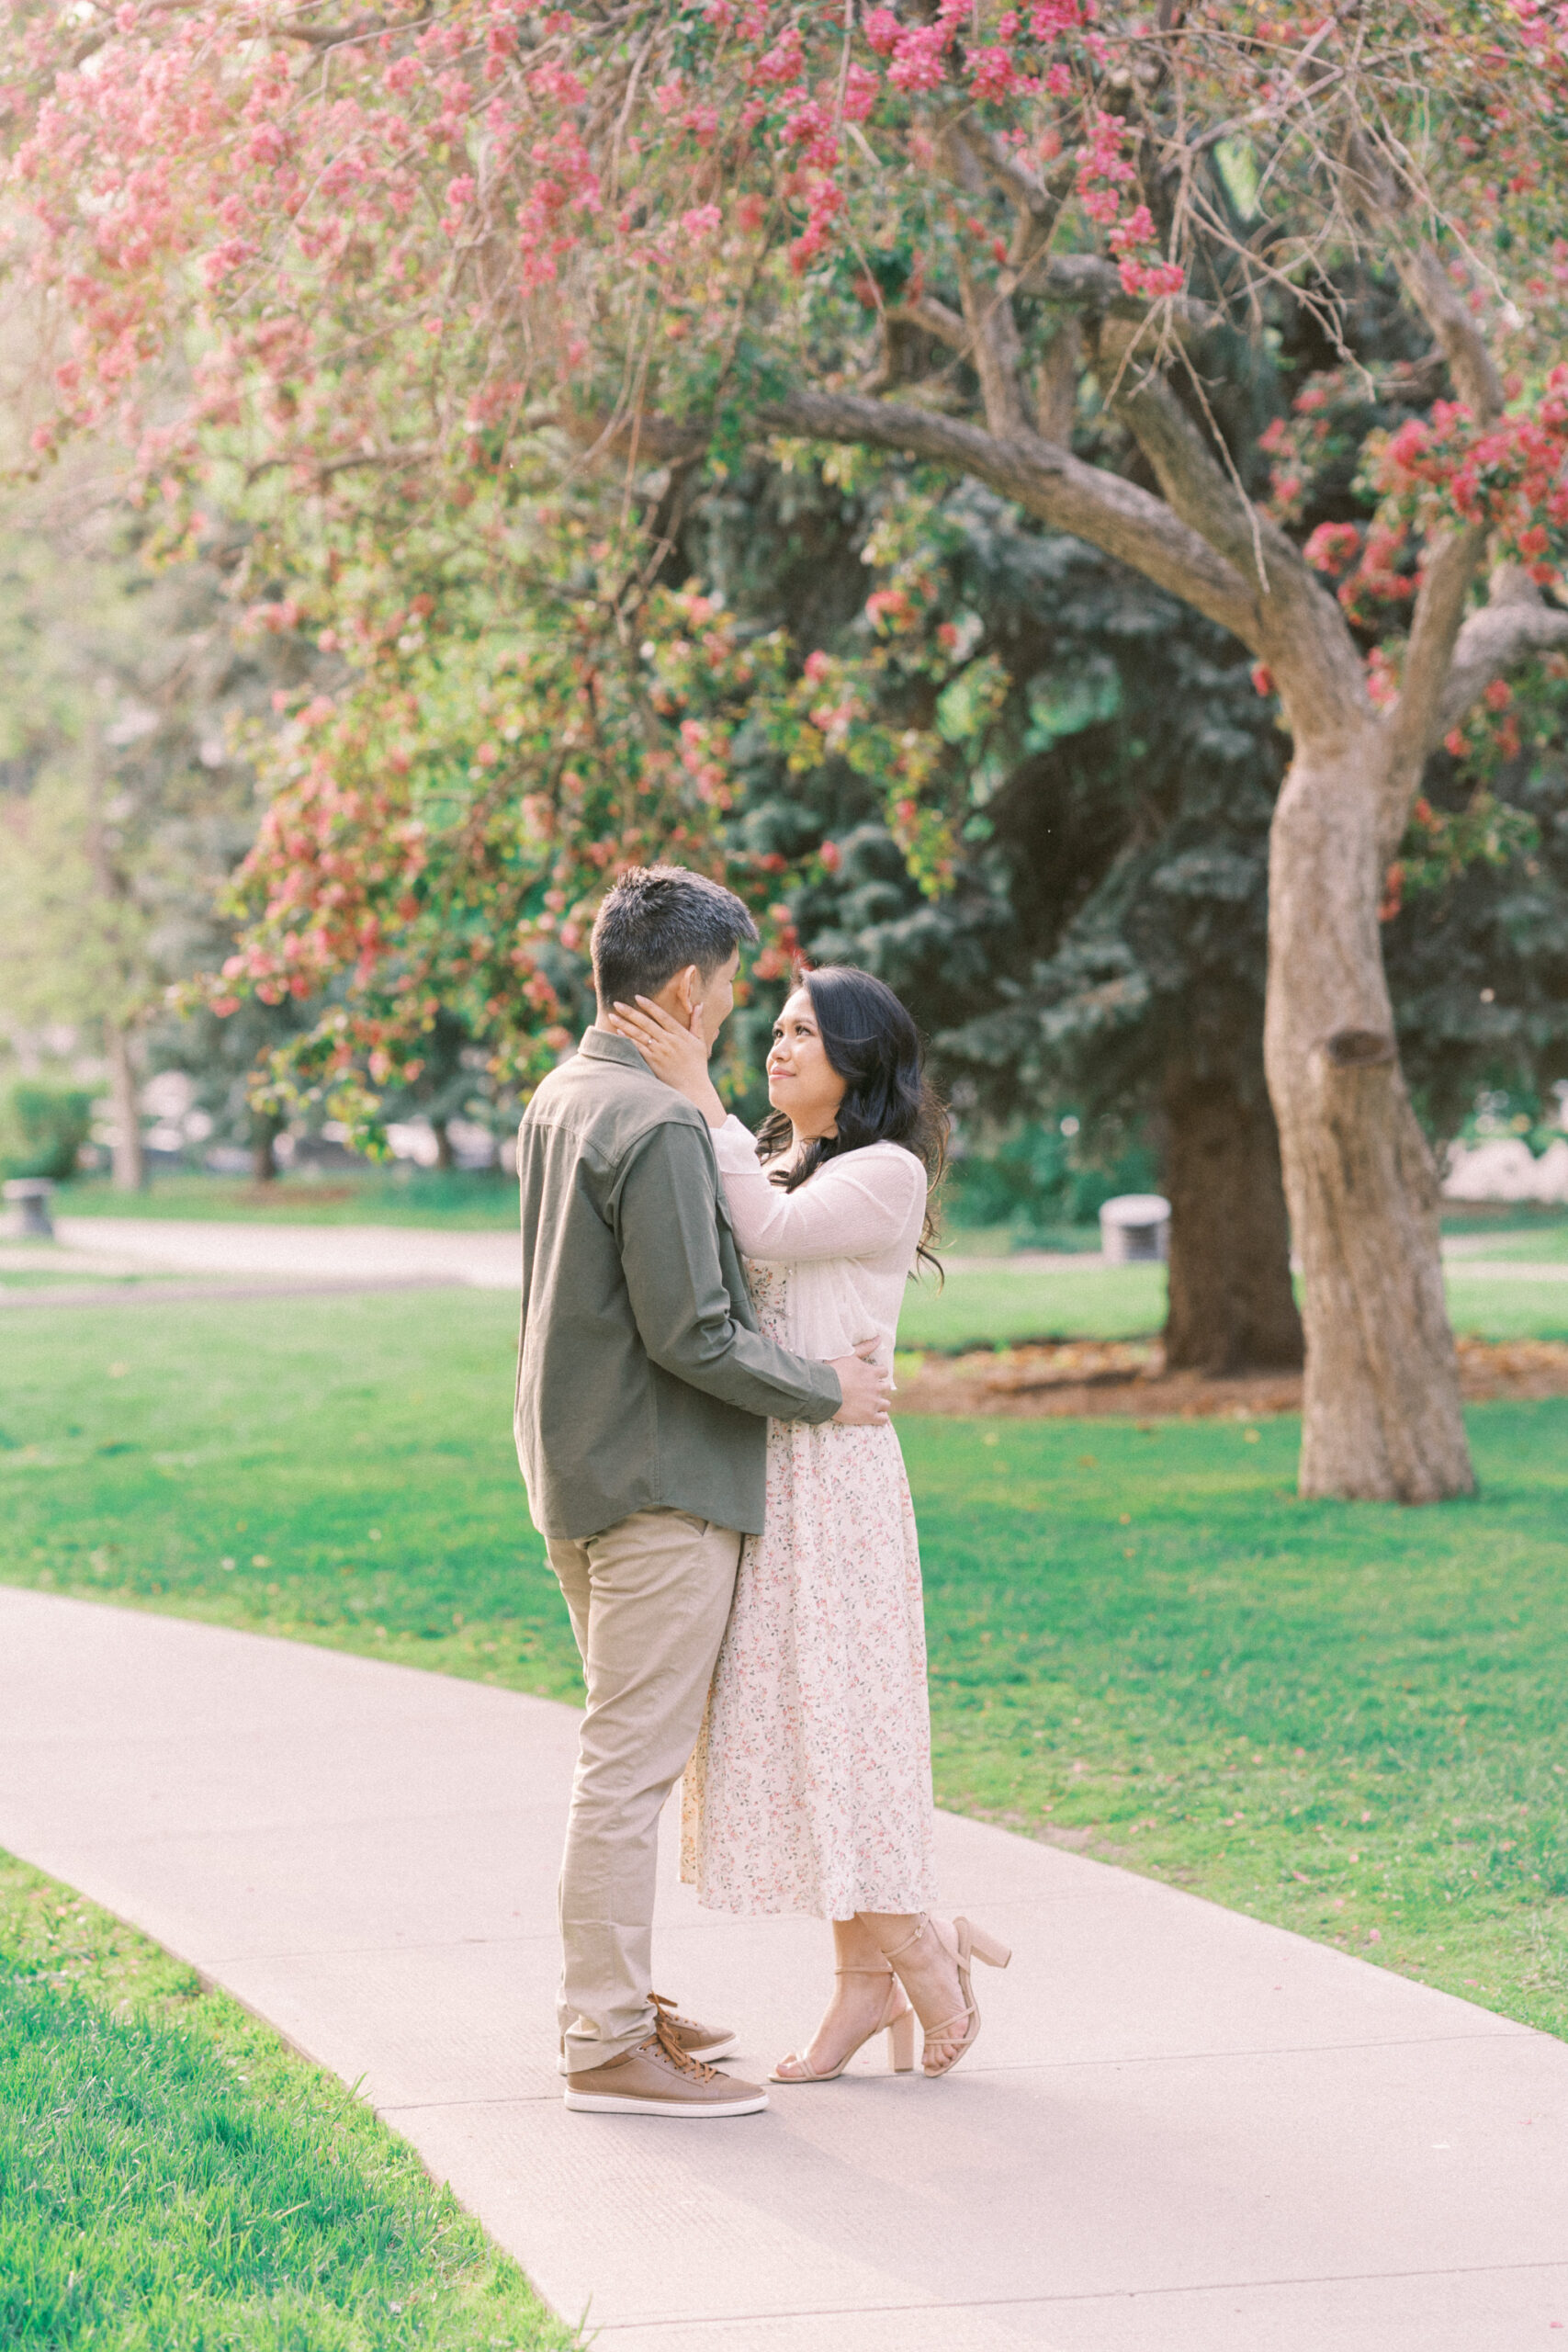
[{"x": 1088, "y": 1376}]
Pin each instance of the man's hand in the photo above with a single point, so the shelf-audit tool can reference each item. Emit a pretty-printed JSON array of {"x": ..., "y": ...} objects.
[{"x": 866, "y": 1385}]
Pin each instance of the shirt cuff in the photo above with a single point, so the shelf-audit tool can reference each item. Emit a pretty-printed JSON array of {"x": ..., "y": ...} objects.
[{"x": 734, "y": 1147}]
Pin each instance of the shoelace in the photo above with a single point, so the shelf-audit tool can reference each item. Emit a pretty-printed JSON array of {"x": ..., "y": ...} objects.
[{"x": 663, "y": 2033}]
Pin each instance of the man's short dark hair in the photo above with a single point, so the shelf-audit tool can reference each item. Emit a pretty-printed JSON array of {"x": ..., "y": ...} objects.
[{"x": 656, "y": 920}]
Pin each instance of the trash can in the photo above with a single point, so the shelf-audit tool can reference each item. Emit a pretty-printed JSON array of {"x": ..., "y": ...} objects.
[
  {"x": 27, "y": 1198},
  {"x": 1134, "y": 1226}
]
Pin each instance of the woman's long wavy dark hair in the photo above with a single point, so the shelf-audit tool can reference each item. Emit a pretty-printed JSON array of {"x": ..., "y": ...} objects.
[{"x": 875, "y": 1048}]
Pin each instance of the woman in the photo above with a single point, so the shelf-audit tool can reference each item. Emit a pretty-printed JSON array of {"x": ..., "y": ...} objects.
[{"x": 810, "y": 1787}]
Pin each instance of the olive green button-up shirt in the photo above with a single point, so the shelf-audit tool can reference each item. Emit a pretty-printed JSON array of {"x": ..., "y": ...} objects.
[{"x": 642, "y": 1379}]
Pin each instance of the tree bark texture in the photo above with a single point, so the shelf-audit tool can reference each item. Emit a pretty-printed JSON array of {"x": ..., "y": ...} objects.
[
  {"x": 1381, "y": 1418},
  {"x": 264, "y": 1132},
  {"x": 1233, "y": 1307},
  {"x": 129, "y": 1159}
]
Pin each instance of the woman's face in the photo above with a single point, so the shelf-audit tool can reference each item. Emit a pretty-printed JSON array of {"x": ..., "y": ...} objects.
[{"x": 801, "y": 1082}]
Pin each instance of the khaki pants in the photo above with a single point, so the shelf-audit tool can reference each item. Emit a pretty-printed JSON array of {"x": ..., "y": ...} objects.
[{"x": 649, "y": 1600}]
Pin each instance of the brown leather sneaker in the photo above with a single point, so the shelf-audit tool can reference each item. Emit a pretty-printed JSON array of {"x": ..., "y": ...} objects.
[
  {"x": 696, "y": 2040},
  {"x": 658, "y": 2078}
]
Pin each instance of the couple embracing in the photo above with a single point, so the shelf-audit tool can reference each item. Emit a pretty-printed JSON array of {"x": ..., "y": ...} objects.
[{"x": 702, "y": 1420}]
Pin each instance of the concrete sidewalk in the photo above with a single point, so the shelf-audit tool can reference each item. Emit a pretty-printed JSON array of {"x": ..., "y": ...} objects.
[
  {"x": 332, "y": 1254},
  {"x": 1182, "y": 2132},
  {"x": 340, "y": 1255}
]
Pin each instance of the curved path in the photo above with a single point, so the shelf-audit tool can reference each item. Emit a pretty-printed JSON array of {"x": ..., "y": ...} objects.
[{"x": 1182, "y": 2132}]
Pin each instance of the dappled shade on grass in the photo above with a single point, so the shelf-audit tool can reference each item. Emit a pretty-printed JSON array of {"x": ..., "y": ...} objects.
[
  {"x": 173, "y": 2178},
  {"x": 1140, "y": 1636}
]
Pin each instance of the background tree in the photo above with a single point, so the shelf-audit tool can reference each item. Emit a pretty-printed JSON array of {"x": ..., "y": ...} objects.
[
  {"x": 424, "y": 225},
  {"x": 1108, "y": 770},
  {"x": 125, "y": 802}
]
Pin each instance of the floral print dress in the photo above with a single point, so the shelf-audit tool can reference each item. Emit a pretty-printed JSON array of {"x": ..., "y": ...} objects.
[{"x": 810, "y": 1789}]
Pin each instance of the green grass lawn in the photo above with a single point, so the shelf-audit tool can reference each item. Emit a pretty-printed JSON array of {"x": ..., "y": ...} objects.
[
  {"x": 1347, "y": 1718},
  {"x": 1545, "y": 1245},
  {"x": 172, "y": 2179},
  {"x": 1507, "y": 1310},
  {"x": 398, "y": 1194},
  {"x": 985, "y": 1309}
]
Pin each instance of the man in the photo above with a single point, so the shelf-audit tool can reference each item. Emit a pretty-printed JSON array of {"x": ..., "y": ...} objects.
[{"x": 644, "y": 1388}]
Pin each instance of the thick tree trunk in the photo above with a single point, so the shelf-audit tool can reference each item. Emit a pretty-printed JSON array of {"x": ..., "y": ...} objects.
[
  {"x": 1231, "y": 1305},
  {"x": 446, "y": 1159},
  {"x": 129, "y": 1159},
  {"x": 264, "y": 1132},
  {"x": 1382, "y": 1420}
]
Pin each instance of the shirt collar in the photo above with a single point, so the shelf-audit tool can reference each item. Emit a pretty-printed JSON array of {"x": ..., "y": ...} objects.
[{"x": 604, "y": 1046}]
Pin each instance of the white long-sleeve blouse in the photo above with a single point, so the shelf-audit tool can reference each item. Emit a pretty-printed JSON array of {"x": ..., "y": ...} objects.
[{"x": 848, "y": 1235}]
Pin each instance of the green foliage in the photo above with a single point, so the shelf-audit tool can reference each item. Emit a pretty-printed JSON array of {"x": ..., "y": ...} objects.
[
  {"x": 171, "y": 2177},
  {"x": 43, "y": 1128},
  {"x": 1097, "y": 777},
  {"x": 123, "y": 801},
  {"x": 1478, "y": 955},
  {"x": 1108, "y": 1676},
  {"x": 1034, "y": 1182}
]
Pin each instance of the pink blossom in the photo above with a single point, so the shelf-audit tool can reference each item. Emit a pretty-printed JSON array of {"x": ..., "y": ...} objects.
[
  {"x": 994, "y": 72},
  {"x": 1332, "y": 546},
  {"x": 783, "y": 62},
  {"x": 916, "y": 60},
  {"x": 861, "y": 93}
]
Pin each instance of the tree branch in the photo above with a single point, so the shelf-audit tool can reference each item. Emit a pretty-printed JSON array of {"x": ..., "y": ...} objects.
[
  {"x": 1514, "y": 622},
  {"x": 1386, "y": 202},
  {"x": 1451, "y": 660},
  {"x": 995, "y": 349},
  {"x": 341, "y": 35},
  {"x": 1085, "y": 282},
  {"x": 1188, "y": 470},
  {"x": 1452, "y": 560},
  {"x": 997, "y": 353},
  {"x": 1047, "y": 481},
  {"x": 942, "y": 324},
  {"x": 1302, "y": 632},
  {"x": 1471, "y": 364},
  {"x": 1415, "y": 723}
]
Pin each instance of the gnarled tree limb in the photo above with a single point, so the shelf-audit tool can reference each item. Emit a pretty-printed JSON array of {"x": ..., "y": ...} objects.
[
  {"x": 941, "y": 324},
  {"x": 1471, "y": 364},
  {"x": 1302, "y": 631},
  {"x": 1047, "y": 481},
  {"x": 1415, "y": 724},
  {"x": 1516, "y": 621},
  {"x": 1452, "y": 561}
]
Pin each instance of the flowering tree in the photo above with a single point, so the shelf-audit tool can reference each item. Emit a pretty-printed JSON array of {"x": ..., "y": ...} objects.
[{"x": 367, "y": 256}]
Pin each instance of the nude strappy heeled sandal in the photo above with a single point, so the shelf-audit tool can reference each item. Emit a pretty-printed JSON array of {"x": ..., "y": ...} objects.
[
  {"x": 969, "y": 1943},
  {"x": 899, "y": 2028}
]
